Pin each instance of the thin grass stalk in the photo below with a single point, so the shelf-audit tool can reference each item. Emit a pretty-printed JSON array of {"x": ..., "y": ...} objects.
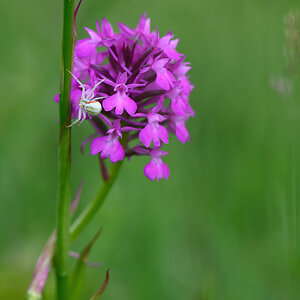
[
  {"x": 88, "y": 214},
  {"x": 64, "y": 160}
]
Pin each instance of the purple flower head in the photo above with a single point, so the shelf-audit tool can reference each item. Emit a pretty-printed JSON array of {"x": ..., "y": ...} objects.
[{"x": 145, "y": 91}]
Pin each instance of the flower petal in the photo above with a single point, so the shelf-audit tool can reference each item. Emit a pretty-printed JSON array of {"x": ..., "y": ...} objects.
[
  {"x": 94, "y": 35},
  {"x": 120, "y": 101},
  {"x": 107, "y": 29},
  {"x": 85, "y": 48},
  {"x": 98, "y": 144},
  {"x": 110, "y": 102},
  {"x": 181, "y": 132},
  {"x": 165, "y": 170},
  {"x": 145, "y": 135},
  {"x": 164, "y": 79},
  {"x": 130, "y": 105},
  {"x": 126, "y": 30},
  {"x": 117, "y": 153},
  {"x": 156, "y": 168},
  {"x": 56, "y": 98},
  {"x": 150, "y": 170},
  {"x": 163, "y": 134},
  {"x": 172, "y": 54}
]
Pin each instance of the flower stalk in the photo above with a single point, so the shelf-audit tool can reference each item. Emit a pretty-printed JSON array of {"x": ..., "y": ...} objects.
[
  {"x": 91, "y": 210},
  {"x": 64, "y": 160}
]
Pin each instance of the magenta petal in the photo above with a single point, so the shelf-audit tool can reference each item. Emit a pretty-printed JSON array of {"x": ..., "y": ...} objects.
[
  {"x": 107, "y": 29},
  {"x": 85, "y": 48},
  {"x": 162, "y": 81},
  {"x": 174, "y": 43},
  {"x": 105, "y": 153},
  {"x": 181, "y": 132},
  {"x": 129, "y": 105},
  {"x": 180, "y": 106},
  {"x": 150, "y": 170},
  {"x": 147, "y": 27},
  {"x": 163, "y": 134},
  {"x": 155, "y": 137},
  {"x": 119, "y": 109},
  {"x": 172, "y": 54},
  {"x": 145, "y": 135},
  {"x": 120, "y": 101},
  {"x": 110, "y": 102},
  {"x": 125, "y": 30},
  {"x": 122, "y": 79},
  {"x": 117, "y": 153},
  {"x": 155, "y": 128},
  {"x": 171, "y": 78},
  {"x": 142, "y": 21},
  {"x": 164, "y": 41},
  {"x": 165, "y": 79},
  {"x": 98, "y": 144},
  {"x": 144, "y": 25},
  {"x": 159, "y": 64},
  {"x": 165, "y": 170},
  {"x": 94, "y": 35},
  {"x": 56, "y": 98}
]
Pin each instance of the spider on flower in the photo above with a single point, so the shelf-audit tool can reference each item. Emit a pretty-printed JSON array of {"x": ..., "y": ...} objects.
[{"x": 87, "y": 104}]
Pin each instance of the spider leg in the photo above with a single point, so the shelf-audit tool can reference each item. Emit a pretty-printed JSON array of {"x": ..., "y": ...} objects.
[
  {"x": 93, "y": 89},
  {"x": 84, "y": 117},
  {"x": 80, "y": 83},
  {"x": 78, "y": 119},
  {"x": 96, "y": 98}
]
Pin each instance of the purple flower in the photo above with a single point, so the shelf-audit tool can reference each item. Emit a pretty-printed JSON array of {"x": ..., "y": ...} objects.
[
  {"x": 177, "y": 126},
  {"x": 120, "y": 100},
  {"x": 168, "y": 46},
  {"x": 164, "y": 78},
  {"x": 107, "y": 29},
  {"x": 179, "y": 96},
  {"x": 109, "y": 145},
  {"x": 145, "y": 91},
  {"x": 156, "y": 168},
  {"x": 181, "y": 68},
  {"x": 153, "y": 131},
  {"x": 88, "y": 47}
]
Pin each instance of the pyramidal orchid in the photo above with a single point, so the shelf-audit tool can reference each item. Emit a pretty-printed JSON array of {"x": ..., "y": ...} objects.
[{"x": 145, "y": 91}]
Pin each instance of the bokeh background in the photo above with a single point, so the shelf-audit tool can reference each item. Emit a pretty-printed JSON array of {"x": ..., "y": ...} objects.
[{"x": 225, "y": 225}]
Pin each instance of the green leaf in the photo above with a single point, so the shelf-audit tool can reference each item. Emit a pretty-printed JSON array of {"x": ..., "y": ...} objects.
[
  {"x": 102, "y": 288},
  {"x": 80, "y": 267}
]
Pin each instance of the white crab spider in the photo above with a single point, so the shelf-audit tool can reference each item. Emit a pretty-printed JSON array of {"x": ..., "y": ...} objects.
[{"x": 87, "y": 104}]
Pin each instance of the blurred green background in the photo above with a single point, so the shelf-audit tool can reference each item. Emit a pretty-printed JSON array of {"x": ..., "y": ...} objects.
[{"x": 225, "y": 224}]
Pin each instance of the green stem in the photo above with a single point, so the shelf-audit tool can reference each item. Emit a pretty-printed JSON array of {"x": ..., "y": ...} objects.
[
  {"x": 64, "y": 160},
  {"x": 91, "y": 210}
]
